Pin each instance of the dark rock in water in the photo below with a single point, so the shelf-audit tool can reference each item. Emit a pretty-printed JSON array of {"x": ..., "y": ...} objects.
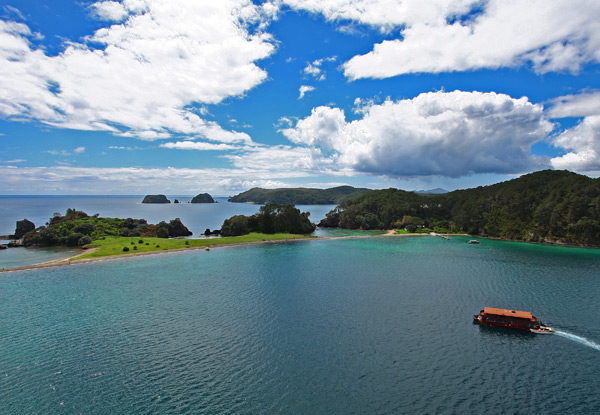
[
  {"x": 208, "y": 232},
  {"x": 203, "y": 198},
  {"x": 3, "y": 247},
  {"x": 176, "y": 201},
  {"x": 156, "y": 199},
  {"x": 23, "y": 226}
]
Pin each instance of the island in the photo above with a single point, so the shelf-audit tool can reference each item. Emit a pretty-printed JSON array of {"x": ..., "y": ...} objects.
[
  {"x": 203, "y": 198},
  {"x": 299, "y": 196},
  {"x": 156, "y": 199},
  {"x": 77, "y": 228}
]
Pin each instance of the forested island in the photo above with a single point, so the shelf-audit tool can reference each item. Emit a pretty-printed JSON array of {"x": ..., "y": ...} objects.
[
  {"x": 203, "y": 198},
  {"x": 299, "y": 196},
  {"x": 77, "y": 228},
  {"x": 545, "y": 206},
  {"x": 156, "y": 199}
]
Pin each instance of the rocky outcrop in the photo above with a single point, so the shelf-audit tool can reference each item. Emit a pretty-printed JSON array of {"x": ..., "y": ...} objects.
[
  {"x": 177, "y": 228},
  {"x": 23, "y": 226},
  {"x": 203, "y": 198},
  {"x": 156, "y": 199}
]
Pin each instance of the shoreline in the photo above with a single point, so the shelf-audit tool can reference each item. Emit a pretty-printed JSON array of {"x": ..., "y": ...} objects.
[{"x": 72, "y": 260}]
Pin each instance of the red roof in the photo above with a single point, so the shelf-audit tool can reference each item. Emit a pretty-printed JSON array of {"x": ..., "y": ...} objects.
[{"x": 508, "y": 313}]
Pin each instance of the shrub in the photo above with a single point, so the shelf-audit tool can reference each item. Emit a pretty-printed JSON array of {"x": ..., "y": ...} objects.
[
  {"x": 84, "y": 240},
  {"x": 125, "y": 249}
]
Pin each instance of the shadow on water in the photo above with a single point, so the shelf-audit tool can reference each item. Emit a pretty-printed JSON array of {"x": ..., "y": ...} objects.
[{"x": 506, "y": 332}]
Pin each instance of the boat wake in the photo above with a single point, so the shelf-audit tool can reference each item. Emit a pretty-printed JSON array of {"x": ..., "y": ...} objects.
[{"x": 578, "y": 339}]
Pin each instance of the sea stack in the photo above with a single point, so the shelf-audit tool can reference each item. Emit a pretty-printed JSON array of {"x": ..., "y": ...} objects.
[{"x": 156, "y": 199}]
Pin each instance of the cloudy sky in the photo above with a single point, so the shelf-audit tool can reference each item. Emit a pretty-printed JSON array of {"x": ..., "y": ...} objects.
[{"x": 188, "y": 96}]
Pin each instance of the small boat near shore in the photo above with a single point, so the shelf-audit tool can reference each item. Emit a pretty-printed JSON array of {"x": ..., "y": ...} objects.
[
  {"x": 473, "y": 241},
  {"x": 522, "y": 320}
]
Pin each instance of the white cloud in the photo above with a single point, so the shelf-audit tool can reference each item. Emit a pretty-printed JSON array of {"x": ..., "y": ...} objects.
[
  {"x": 192, "y": 145},
  {"x": 131, "y": 180},
  {"x": 163, "y": 57},
  {"x": 304, "y": 89},
  {"x": 583, "y": 145},
  {"x": 79, "y": 150},
  {"x": 580, "y": 105},
  {"x": 452, "y": 134},
  {"x": 445, "y": 36},
  {"x": 111, "y": 11},
  {"x": 385, "y": 14}
]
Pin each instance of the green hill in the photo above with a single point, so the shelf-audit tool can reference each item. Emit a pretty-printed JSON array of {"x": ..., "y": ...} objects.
[
  {"x": 549, "y": 205},
  {"x": 299, "y": 196}
]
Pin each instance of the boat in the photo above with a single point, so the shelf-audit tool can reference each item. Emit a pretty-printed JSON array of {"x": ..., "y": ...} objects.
[
  {"x": 473, "y": 241},
  {"x": 501, "y": 317}
]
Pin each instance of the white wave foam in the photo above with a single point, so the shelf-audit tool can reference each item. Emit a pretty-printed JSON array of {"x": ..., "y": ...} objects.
[{"x": 578, "y": 339}]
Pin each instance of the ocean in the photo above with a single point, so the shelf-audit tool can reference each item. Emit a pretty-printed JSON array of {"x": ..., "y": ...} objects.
[{"x": 377, "y": 325}]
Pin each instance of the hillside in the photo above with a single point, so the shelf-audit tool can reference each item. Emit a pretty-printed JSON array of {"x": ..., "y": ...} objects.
[
  {"x": 552, "y": 206},
  {"x": 299, "y": 196}
]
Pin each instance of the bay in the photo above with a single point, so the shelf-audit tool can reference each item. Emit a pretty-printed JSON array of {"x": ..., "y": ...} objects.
[{"x": 378, "y": 325}]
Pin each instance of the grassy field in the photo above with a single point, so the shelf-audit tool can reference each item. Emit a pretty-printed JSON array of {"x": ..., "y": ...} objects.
[{"x": 115, "y": 245}]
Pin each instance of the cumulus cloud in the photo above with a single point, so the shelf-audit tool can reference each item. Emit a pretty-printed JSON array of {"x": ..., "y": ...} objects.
[
  {"x": 139, "y": 78},
  {"x": 583, "y": 141},
  {"x": 578, "y": 105},
  {"x": 110, "y": 10},
  {"x": 460, "y": 35},
  {"x": 385, "y": 14},
  {"x": 451, "y": 134},
  {"x": 304, "y": 89}
]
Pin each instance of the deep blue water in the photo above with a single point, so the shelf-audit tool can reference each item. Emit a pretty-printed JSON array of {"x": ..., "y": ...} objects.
[{"x": 379, "y": 325}]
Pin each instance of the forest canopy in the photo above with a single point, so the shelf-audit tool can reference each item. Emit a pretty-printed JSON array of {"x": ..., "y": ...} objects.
[{"x": 549, "y": 205}]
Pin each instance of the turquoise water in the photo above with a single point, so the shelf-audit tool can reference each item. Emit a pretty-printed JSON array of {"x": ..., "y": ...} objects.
[{"x": 378, "y": 325}]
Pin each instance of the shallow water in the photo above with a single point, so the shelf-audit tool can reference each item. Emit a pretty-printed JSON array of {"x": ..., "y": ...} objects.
[{"x": 356, "y": 326}]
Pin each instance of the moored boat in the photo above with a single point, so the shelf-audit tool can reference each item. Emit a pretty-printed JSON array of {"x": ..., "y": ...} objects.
[{"x": 501, "y": 317}]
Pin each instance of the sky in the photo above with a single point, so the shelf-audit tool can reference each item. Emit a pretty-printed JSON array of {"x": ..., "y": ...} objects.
[{"x": 182, "y": 97}]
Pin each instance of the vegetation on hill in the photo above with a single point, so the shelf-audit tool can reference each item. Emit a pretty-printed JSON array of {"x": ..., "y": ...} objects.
[
  {"x": 299, "y": 196},
  {"x": 77, "y": 228},
  {"x": 549, "y": 205},
  {"x": 271, "y": 218},
  {"x": 156, "y": 199},
  {"x": 203, "y": 198}
]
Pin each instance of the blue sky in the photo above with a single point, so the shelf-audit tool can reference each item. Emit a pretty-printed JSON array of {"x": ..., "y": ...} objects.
[{"x": 190, "y": 96}]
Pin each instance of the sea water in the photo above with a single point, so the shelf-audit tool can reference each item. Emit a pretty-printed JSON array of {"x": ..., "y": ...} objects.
[{"x": 379, "y": 325}]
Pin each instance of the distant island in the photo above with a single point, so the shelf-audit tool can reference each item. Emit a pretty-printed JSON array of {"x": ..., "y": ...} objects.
[
  {"x": 299, "y": 196},
  {"x": 203, "y": 198},
  {"x": 552, "y": 206},
  {"x": 156, "y": 199}
]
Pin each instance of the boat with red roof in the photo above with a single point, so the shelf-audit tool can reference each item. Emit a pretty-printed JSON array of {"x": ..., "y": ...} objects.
[{"x": 501, "y": 317}]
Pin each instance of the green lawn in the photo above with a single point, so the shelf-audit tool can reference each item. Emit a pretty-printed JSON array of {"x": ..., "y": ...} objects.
[{"x": 114, "y": 245}]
